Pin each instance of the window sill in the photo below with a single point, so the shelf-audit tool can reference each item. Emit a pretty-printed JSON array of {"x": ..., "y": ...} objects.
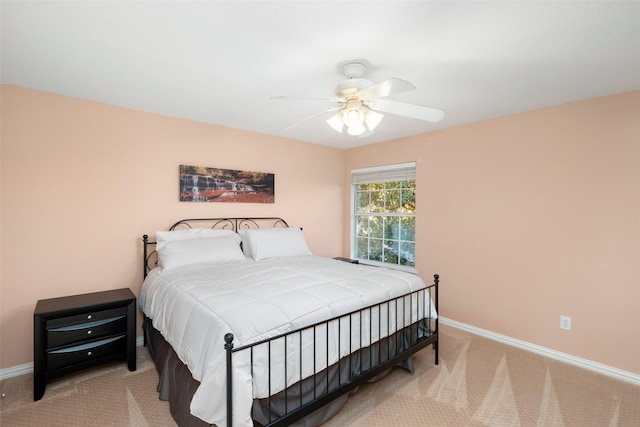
[{"x": 386, "y": 265}]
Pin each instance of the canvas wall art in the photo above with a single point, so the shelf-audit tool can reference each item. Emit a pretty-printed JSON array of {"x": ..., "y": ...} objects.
[{"x": 205, "y": 184}]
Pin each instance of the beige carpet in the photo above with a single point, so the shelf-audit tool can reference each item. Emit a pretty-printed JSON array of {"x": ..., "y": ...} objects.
[{"x": 478, "y": 383}]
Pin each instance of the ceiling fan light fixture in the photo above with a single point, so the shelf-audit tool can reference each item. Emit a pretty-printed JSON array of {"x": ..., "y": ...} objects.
[
  {"x": 356, "y": 117},
  {"x": 372, "y": 119},
  {"x": 352, "y": 113},
  {"x": 353, "y": 117},
  {"x": 336, "y": 122},
  {"x": 356, "y": 129}
]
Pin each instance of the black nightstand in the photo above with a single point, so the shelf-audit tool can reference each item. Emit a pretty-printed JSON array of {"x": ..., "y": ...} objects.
[{"x": 76, "y": 332}]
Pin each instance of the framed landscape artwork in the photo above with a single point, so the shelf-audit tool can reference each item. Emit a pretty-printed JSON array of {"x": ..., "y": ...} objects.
[{"x": 205, "y": 184}]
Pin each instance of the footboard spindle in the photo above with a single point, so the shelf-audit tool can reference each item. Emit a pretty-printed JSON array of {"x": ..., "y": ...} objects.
[{"x": 228, "y": 346}]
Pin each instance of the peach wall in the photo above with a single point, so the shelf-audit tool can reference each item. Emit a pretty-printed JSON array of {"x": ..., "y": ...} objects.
[
  {"x": 533, "y": 216},
  {"x": 82, "y": 181},
  {"x": 525, "y": 217}
]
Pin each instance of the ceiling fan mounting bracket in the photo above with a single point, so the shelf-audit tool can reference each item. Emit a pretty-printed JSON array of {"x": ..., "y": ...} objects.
[{"x": 353, "y": 70}]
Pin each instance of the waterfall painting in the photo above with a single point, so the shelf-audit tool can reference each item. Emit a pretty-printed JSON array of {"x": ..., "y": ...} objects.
[{"x": 204, "y": 184}]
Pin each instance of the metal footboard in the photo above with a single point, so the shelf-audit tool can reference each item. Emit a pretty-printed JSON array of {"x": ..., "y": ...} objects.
[{"x": 377, "y": 338}]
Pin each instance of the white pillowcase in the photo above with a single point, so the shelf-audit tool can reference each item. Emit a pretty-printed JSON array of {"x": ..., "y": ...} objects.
[
  {"x": 263, "y": 243},
  {"x": 191, "y": 233},
  {"x": 178, "y": 253}
]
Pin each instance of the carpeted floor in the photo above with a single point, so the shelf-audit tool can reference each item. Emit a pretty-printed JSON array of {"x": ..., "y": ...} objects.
[{"x": 479, "y": 382}]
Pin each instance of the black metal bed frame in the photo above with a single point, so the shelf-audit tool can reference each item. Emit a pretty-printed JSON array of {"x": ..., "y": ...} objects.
[
  {"x": 407, "y": 338},
  {"x": 419, "y": 333}
]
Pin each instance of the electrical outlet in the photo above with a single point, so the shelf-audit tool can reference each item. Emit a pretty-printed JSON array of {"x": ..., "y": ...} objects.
[{"x": 565, "y": 323}]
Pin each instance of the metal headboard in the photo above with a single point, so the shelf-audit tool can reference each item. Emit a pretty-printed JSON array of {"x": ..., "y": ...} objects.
[{"x": 234, "y": 224}]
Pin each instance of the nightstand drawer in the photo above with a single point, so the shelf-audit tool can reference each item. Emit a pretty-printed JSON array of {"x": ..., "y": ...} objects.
[
  {"x": 62, "y": 335},
  {"x": 85, "y": 352},
  {"x": 88, "y": 316}
]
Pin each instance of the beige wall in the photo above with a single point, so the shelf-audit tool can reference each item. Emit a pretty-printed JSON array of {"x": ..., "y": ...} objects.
[
  {"x": 82, "y": 181},
  {"x": 533, "y": 216}
]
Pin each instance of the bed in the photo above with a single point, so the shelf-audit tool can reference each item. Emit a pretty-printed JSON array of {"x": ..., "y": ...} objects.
[{"x": 247, "y": 327}]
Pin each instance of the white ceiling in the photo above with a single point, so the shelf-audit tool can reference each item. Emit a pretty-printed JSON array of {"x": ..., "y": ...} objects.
[{"x": 221, "y": 61}]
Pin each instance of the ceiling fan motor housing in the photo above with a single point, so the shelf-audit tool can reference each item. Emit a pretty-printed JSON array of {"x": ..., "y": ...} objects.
[{"x": 350, "y": 88}]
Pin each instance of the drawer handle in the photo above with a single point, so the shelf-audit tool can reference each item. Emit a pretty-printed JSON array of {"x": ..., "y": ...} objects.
[
  {"x": 89, "y": 332},
  {"x": 89, "y": 353},
  {"x": 89, "y": 317}
]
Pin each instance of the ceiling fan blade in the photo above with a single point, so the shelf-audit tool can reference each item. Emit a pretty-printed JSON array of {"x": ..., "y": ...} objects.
[
  {"x": 419, "y": 112},
  {"x": 328, "y": 110},
  {"x": 385, "y": 88}
]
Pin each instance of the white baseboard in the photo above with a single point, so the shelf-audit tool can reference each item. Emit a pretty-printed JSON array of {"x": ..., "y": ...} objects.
[
  {"x": 27, "y": 368},
  {"x": 15, "y": 371},
  {"x": 600, "y": 368},
  {"x": 544, "y": 351}
]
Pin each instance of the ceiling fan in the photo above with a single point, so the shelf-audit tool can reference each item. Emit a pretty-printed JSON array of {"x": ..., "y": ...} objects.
[{"x": 361, "y": 103}]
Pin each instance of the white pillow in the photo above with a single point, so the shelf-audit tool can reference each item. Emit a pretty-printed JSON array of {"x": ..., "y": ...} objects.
[
  {"x": 178, "y": 253},
  {"x": 191, "y": 233},
  {"x": 265, "y": 243}
]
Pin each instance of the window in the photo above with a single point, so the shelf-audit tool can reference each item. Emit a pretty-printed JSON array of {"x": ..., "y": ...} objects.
[{"x": 383, "y": 215}]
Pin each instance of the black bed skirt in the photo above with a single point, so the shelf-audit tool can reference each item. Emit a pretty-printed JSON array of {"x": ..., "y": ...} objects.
[{"x": 177, "y": 386}]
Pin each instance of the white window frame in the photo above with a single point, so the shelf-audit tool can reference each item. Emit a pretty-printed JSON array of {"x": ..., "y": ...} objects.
[{"x": 387, "y": 173}]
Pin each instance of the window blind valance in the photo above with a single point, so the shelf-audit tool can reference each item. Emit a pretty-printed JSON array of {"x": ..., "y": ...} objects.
[{"x": 397, "y": 172}]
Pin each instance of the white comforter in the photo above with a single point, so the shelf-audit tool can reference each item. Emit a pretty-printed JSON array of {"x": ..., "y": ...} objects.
[{"x": 195, "y": 308}]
